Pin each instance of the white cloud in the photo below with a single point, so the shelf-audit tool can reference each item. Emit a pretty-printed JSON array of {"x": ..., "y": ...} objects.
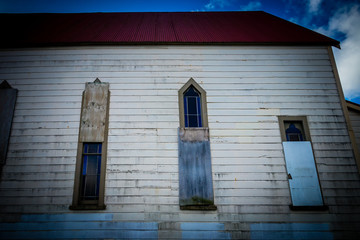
[
  {"x": 346, "y": 22},
  {"x": 221, "y": 4},
  {"x": 254, "y": 5},
  {"x": 209, "y": 6},
  {"x": 302, "y": 12},
  {"x": 314, "y": 5},
  {"x": 217, "y": 4},
  {"x": 305, "y": 11}
]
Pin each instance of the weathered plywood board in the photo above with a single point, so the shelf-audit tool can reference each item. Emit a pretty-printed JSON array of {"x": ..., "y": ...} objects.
[{"x": 94, "y": 111}]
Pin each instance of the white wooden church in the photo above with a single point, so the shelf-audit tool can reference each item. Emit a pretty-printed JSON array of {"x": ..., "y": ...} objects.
[{"x": 210, "y": 125}]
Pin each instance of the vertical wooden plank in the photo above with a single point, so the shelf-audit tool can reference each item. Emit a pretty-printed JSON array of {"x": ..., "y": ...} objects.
[{"x": 7, "y": 107}]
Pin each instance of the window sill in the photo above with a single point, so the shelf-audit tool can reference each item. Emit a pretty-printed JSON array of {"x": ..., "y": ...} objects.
[
  {"x": 199, "y": 207},
  {"x": 309, "y": 208},
  {"x": 194, "y": 134},
  {"x": 87, "y": 207}
]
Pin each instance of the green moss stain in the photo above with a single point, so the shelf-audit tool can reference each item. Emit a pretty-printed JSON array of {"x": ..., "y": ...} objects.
[{"x": 201, "y": 201}]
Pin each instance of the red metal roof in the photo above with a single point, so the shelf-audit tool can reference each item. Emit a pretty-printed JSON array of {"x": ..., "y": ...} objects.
[{"x": 154, "y": 28}]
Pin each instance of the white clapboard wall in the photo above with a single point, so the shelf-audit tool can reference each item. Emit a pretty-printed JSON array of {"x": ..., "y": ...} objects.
[{"x": 247, "y": 88}]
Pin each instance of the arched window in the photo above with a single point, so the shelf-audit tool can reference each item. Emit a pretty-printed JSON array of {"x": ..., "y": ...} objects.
[{"x": 192, "y": 106}]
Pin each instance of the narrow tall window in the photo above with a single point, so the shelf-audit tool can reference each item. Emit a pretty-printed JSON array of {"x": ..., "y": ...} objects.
[
  {"x": 90, "y": 174},
  {"x": 89, "y": 184},
  {"x": 192, "y": 108}
]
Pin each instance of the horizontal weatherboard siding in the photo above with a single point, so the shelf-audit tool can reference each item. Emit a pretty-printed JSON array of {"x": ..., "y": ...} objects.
[{"x": 247, "y": 88}]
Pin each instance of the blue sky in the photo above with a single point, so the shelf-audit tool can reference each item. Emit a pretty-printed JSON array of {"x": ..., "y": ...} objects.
[{"x": 339, "y": 19}]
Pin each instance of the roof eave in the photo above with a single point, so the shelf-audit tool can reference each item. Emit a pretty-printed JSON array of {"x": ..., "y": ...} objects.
[{"x": 76, "y": 44}]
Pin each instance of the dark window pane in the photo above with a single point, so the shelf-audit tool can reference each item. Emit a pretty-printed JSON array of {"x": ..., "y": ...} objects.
[
  {"x": 83, "y": 183},
  {"x": 293, "y": 133},
  {"x": 92, "y": 165},
  {"x": 91, "y": 171},
  {"x": 85, "y": 161},
  {"x": 185, "y": 106},
  {"x": 192, "y": 106},
  {"x": 186, "y": 121},
  {"x": 192, "y": 92},
  {"x": 90, "y": 186},
  {"x": 99, "y": 164},
  {"x": 193, "y": 121},
  {"x": 92, "y": 148},
  {"x": 199, "y": 113},
  {"x": 293, "y": 137},
  {"x": 97, "y": 185}
]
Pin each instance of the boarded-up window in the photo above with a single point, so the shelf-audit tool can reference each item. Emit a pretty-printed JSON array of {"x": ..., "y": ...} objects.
[
  {"x": 90, "y": 171},
  {"x": 7, "y": 107},
  {"x": 195, "y": 174},
  {"x": 303, "y": 180},
  {"x": 300, "y": 163}
]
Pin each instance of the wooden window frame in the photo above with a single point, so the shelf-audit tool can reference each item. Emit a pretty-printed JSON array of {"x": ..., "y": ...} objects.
[
  {"x": 302, "y": 119},
  {"x": 204, "y": 117},
  {"x": 79, "y": 204},
  {"x": 94, "y": 201}
]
